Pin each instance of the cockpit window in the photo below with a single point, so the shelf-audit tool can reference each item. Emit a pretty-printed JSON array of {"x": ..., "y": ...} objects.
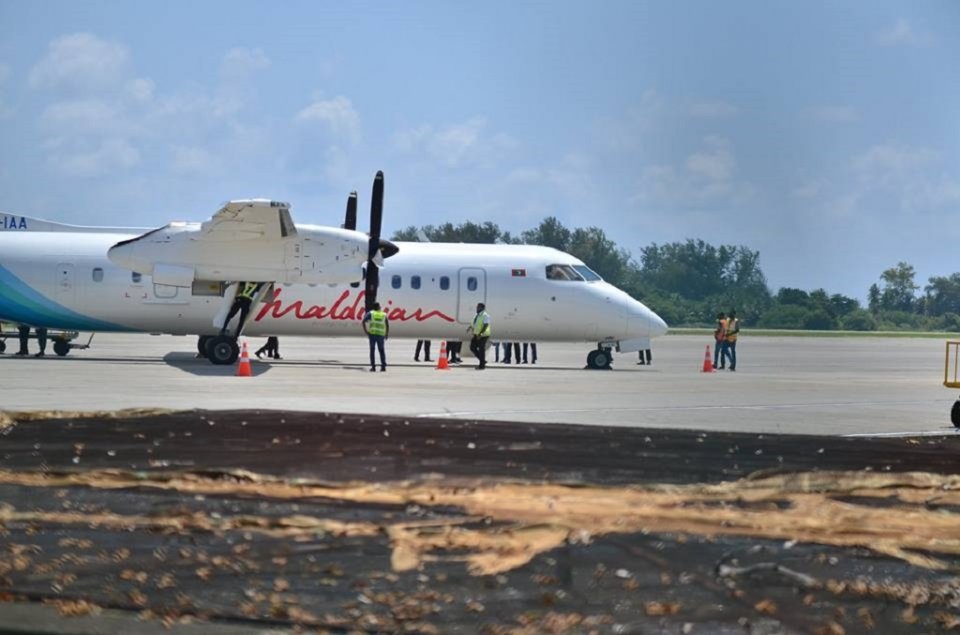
[
  {"x": 562, "y": 272},
  {"x": 588, "y": 274}
]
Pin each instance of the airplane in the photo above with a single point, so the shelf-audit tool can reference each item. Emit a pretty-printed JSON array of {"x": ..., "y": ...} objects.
[{"x": 181, "y": 279}]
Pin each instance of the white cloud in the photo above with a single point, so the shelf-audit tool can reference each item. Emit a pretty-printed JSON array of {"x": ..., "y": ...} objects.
[
  {"x": 140, "y": 89},
  {"x": 83, "y": 116},
  {"x": 239, "y": 62},
  {"x": 902, "y": 33},
  {"x": 713, "y": 110},
  {"x": 883, "y": 161},
  {"x": 705, "y": 176},
  {"x": 81, "y": 60},
  {"x": 109, "y": 156},
  {"x": 337, "y": 115},
  {"x": 192, "y": 160},
  {"x": 453, "y": 145},
  {"x": 836, "y": 114}
]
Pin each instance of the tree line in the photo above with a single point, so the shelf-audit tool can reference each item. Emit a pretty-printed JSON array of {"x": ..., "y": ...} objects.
[{"x": 688, "y": 282}]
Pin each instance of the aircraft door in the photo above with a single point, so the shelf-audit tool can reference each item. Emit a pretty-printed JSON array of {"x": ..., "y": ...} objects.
[
  {"x": 66, "y": 289},
  {"x": 472, "y": 289}
]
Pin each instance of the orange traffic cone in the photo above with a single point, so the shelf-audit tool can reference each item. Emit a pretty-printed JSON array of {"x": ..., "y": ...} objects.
[
  {"x": 442, "y": 363},
  {"x": 707, "y": 364},
  {"x": 244, "y": 369}
]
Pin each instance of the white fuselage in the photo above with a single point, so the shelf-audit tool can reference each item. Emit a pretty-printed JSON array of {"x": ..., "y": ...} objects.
[{"x": 63, "y": 279}]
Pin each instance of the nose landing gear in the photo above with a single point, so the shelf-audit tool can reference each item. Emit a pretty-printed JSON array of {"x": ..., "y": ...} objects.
[{"x": 599, "y": 359}]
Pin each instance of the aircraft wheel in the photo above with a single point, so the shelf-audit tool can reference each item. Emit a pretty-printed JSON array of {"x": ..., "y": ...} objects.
[
  {"x": 3, "y": 346},
  {"x": 599, "y": 359},
  {"x": 202, "y": 342},
  {"x": 955, "y": 414},
  {"x": 222, "y": 350},
  {"x": 61, "y": 347}
]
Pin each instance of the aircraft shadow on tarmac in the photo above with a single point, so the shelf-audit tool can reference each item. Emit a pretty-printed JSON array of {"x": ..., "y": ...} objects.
[{"x": 190, "y": 363}]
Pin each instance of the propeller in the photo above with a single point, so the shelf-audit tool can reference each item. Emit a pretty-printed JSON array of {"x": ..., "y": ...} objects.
[
  {"x": 350, "y": 221},
  {"x": 379, "y": 249}
]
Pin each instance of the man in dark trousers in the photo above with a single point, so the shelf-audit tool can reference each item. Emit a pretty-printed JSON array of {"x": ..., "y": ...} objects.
[
  {"x": 425, "y": 346},
  {"x": 24, "y": 333},
  {"x": 245, "y": 294},
  {"x": 377, "y": 328},
  {"x": 271, "y": 348},
  {"x": 480, "y": 329}
]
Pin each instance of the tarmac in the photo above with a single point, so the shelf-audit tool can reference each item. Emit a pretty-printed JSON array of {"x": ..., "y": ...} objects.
[
  {"x": 318, "y": 497},
  {"x": 782, "y": 384}
]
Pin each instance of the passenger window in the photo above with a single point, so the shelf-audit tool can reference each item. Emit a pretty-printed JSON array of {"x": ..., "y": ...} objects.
[
  {"x": 97, "y": 274},
  {"x": 135, "y": 277},
  {"x": 415, "y": 282},
  {"x": 471, "y": 284},
  {"x": 444, "y": 283},
  {"x": 395, "y": 282}
]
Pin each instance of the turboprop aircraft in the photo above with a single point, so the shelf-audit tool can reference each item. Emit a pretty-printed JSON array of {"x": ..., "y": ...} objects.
[{"x": 182, "y": 278}]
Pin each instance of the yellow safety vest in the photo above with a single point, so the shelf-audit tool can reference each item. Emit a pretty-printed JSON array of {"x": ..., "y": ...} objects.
[
  {"x": 733, "y": 327},
  {"x": 249, "y": 289},
  {"x": 378, "y": 323},
  {"x": 479, "y": 328}
]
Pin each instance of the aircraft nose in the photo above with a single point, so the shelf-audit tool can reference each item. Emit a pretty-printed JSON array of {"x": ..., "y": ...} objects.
[{"x": 645, "y": 323}]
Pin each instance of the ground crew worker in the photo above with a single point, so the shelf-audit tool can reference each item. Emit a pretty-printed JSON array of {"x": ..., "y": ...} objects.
[
  {"x": 377, "y": 328},
  {"x": 730, "y": 345},
  {"x": 24, "y": 333},
  {"x": 481, "y": 333},
  {"x": 271, "y": 348},
  {"x": 719, "y": 337},
  {"x": 425, "y": 346},
  {"x": 245, "y": 293}
]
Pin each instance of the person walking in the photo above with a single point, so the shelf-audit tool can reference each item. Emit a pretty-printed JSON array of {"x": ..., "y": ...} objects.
[
  {"x": 507, "y": 352},
  {"x": 425, "y": 345},
  {"x": 730, "y": 344},
  {"x": 271, "y": 348},
  {"x": 719, "y": 337},
  {"x": 480, "y": 328},
  {"x": 377, "y": 327},
  {"x": 646, "y": 357},
  {"x": 245, "y": 294}
]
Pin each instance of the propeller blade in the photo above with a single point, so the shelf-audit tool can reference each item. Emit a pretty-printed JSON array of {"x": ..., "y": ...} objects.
[
  {"x": 350, "y": 221},
  {"x": 376, "y": 223}
]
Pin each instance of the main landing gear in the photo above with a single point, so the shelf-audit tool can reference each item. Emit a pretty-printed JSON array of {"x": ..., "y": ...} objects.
[
  {"x": 955, "y": 414},
  {"x": 599, "y": 359},
  {"x": 221, "y": 350}
]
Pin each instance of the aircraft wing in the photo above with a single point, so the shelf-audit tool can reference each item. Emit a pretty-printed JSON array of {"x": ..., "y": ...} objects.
[{"x": 249, "y": 219}]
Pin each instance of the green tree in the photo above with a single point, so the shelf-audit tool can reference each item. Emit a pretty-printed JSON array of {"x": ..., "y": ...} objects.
[
  {"x": 943, "y": 295},
  {"x": 897, "y": 293},
  {"x": 549, "y": 233},
  {"x": 601, "y": 254}
]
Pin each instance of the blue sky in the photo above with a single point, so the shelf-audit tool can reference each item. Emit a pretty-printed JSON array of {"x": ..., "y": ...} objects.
[{"x": 825, "y": 135}]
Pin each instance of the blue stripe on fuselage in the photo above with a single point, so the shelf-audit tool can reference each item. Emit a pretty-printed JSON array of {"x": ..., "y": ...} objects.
[{"x": 20, "y": 303}]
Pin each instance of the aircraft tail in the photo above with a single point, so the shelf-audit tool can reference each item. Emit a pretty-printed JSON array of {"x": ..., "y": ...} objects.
[{"x": 19, "y": 223}]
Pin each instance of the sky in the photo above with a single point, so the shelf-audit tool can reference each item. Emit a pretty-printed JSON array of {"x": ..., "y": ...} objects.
[{"x": 825, "y": 135}]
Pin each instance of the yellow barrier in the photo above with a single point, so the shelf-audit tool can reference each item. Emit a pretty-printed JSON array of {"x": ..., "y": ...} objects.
[{"x": 951, "y": 362}]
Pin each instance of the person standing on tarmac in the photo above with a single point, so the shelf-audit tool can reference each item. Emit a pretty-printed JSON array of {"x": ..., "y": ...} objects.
[
  {"x": 425, "y": 346},
  {"x": 719, "y": 339},
  {"x": 377, "y": 328},
  {"x": 481, "y": 333},
  {"x": 730, "y": 344},
  {"x": 245, "y": 293},
  {"x": 24, "y": 333}
]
